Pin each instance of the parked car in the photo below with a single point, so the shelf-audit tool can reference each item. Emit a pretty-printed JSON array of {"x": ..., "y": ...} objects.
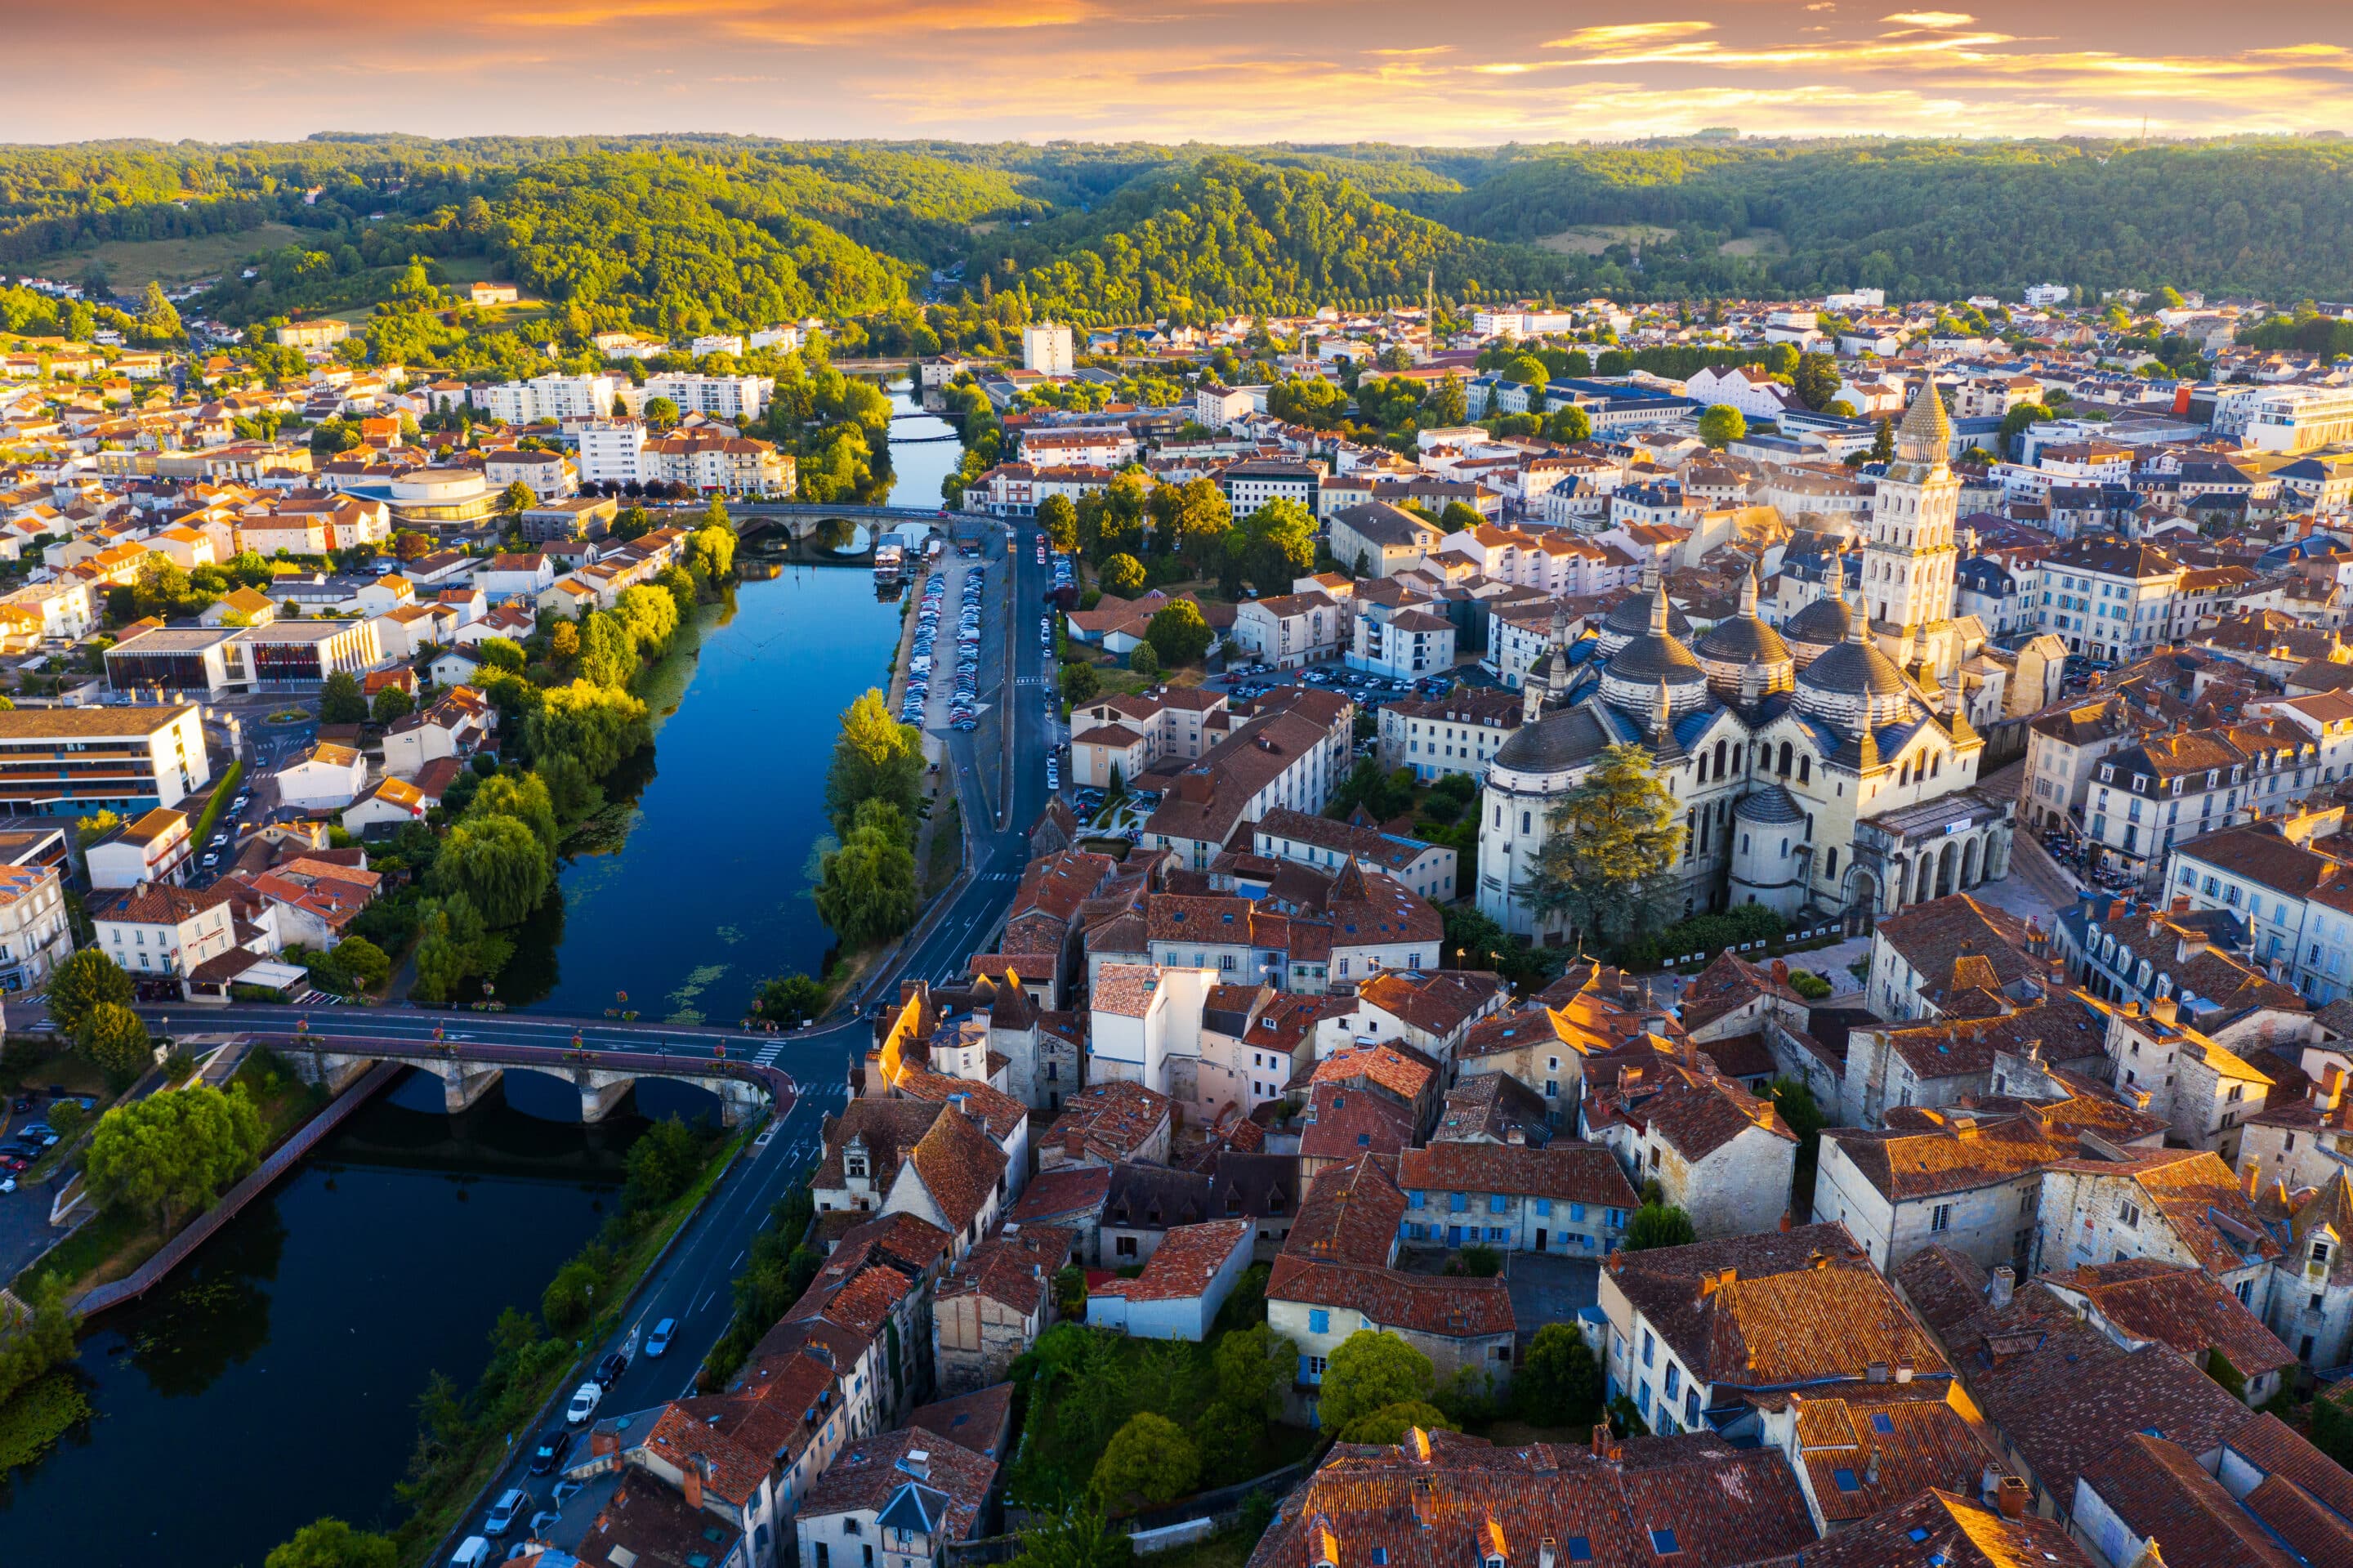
[
  {"x": 610, "y": 1369},
  {"x": 657, "y": 1342},
  {"x": 510, "y": 1503},
  {"x": 585, "y": 1400},
  {"x": 474, "y": 1553},
  {"x": 553, "y": 1446}
]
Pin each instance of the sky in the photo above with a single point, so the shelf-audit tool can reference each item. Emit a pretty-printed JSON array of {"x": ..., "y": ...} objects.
[{"x": 1468, "y": 71}]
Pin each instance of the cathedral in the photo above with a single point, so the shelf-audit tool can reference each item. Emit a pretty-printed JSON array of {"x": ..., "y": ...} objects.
[{"x": 1826, "y": 770}]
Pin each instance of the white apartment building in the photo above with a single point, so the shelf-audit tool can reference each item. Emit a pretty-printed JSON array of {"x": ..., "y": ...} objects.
[
  {"x": 1046, "y": 349},
  {"x": 785, "y": 339},
  {"x": 161, "y": 929},
  {"x": 717, "y": 343},
  {"x": 719, "y": 397},
  {"x": 546, "y": 397},
  {"x": 33, "y": 934},
  {"x": 2300, "y": 418},
  {"x": 2281, "y": 879},
  {"x": 612, "y": 451},
  {"x": 2107, "y": 600}
]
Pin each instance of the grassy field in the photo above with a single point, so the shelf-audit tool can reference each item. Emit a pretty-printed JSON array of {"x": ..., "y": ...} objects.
[
  {"x": 132, "y": 263},
  {"x": 1594, "y": 239}
]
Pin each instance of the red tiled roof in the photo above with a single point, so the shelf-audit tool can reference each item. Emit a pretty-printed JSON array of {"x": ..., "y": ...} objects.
[{"x": 1564, "y": 1172}]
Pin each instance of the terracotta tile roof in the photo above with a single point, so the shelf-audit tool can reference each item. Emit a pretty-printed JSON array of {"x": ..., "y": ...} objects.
[
  {"x": 1459, "y": 1500},
  {"x": 2180, "y": 1307},
  {"x": 1061, "y": 1192},
  {"x": 1731, "y": 984},
  {"x": 1344, "y": 1123},
  {"x": 859, "y": 1300},
  {"x": 1775, "y": 1310},
  {"x": 1697, "y": 1113},
  {"x": 1930, "y": 937},
  {"x": 1427, "y": 1304},
  {"x": 869, "y": 1477},
  {"x": 1016, "y": 1268},
  {"x": 1168, "y": 917},
  {"x": 1108, "y": 1123},
  {"x": 1863, "y": 1453},
  {"x": 2199, "y": 1198},
  {"x": 1959, "y": 1153},
  {"x": 2291, "y": 1465},
  {"x": 1058, "y": 884},
  {"x": 908, "y": 1242},
  {"x": 960, "y": 1167},
  {"x": 977, "y": 1422},
  {"x": 2069, "y": 1027},
  {"x": 157, "y": 904},
  {"x": 1438, "y": 1002},
  {"x": 1400, "y": 1069},
  {"x": 1491, "y": 1106},
  {"x": 1126, "y": 990},
  {"x": 890, "y": 1129},
  {"x": 1188, "y": 1259},
  {"x": 1564, "y": 1171},
  {"x": 1003, "y": 1114},
  {"x": 1944, "y": 1286},
  {"x": 1941, "y": 1529},
  {"x": 1351, "y": 1215},
  {"x": 682, "y": 1441},
  {"x": 2161, "y": 1494}
]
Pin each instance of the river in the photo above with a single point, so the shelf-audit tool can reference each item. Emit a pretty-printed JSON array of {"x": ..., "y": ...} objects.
[{"x": 274, "y": 1378}]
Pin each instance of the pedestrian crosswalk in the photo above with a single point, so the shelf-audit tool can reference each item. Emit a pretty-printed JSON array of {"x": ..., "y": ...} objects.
[{"x": 766, "y": 1056}]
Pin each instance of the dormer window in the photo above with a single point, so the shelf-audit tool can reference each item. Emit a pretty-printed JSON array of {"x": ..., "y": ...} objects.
[{"x": 2107, "y": 773}]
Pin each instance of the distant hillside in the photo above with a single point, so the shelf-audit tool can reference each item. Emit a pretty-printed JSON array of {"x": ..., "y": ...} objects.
[
  {"x": 1928, "y": 220},
  {"x": 1226, "y": 235}
]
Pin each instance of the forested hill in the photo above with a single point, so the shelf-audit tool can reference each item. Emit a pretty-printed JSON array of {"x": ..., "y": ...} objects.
[
  {"x": 1936, "y": 219},
  {"x": 1229, "y": 236}
]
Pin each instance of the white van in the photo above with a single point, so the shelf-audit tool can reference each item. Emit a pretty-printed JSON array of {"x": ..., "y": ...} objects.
[{"x": 474, "y": 1553}]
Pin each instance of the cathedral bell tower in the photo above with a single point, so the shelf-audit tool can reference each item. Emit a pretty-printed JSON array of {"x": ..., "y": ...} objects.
[{"x": 1907, "y": 564}]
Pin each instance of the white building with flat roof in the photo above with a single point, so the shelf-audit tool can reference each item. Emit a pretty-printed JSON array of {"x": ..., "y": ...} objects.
[{"x": 1046, "y": 349}]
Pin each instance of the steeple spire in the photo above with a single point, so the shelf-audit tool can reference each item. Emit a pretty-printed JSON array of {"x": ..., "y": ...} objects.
[
  {"x": 1659, "y": 610},
  {"x": 1663, "y": 715},
  {"x": 1834, "y": 585},
  {"x": 1925, "y": 436},
  {"x": 1748, "y": 592},
  {"x": 1858, "y": 625}
]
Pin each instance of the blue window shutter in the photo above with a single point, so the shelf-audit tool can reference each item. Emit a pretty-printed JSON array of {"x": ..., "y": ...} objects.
[
  {"x": 1419, "y": 1198},
  {"x": 1302, "y": 1369},
  {"x": 1319, "y": 1322},
  {"x": 1544, "y": 1207}
]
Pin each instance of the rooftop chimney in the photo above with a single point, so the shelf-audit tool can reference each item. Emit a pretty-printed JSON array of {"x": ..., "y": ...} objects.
[
  {"x": 2005, "y": 1279},
  {"x": 2165, "y": 1010},
  {"x": 2249, "y": 1177},
  {"x": 2010, "y": 1497},
  {"x": 2331, "y": 1092},
  {"x": 918, "y": 1464},
  {"x": 689, "y": 1482}
]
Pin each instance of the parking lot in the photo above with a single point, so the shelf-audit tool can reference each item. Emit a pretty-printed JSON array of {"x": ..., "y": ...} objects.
[{"x": 1247, "y": 682}]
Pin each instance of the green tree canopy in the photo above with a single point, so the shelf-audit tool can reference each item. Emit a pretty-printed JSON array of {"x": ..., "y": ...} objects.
[
  {"x": 595, "y": 723},
  {"x": 875, "y": 757},
  {"x": 866, "y": 889},
  {"x": 1179, "y": 633},
  {"x": 1121, "y": 574},
  {"x": 1079, "y": 1536},
  {"x": 339, "y": 700},
  {"x": 1657, "y": 1225},
  {"x": 1612, "y": 839},
  {"x": 1558, "y": 1383},
  {"x": 1149, "y": 1461},
  {"x": 1281, "y": 544},
  {"x": 1390, "y": 1423},
  {"x": 1058, "y": 516},
  {"x": 1722, "y": 425},
  {"x": 1370, "y": 1371},
  {"x": 498, "y": 863},
  {"x": 86, "y": 980},
  {"x": 391, "y": 704},
  {"x": 172, "y": 1154},
  {"x": 112, "y": 1039},
  {"x": 330, "y": 1543}
]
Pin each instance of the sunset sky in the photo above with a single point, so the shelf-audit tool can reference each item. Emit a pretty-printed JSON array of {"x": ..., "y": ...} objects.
[{"x": 1246, "y": 71}]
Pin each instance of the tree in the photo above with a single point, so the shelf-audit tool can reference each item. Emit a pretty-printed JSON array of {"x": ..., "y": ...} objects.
[
  {"x": 391, "y": 703},
  {"x": 526, "y": 798},
  {"x": 875, "y": 757},
  {"x": 663, "y": 1164},
  {"x": 1179, "y": 633},
  {"x": 792, "y": 1000},
  {"x": 1253, "y": 1366},
  {"x": 1190, "y": 519},
  {"x": 1570, "y": 424},
  {"x": 2013, "y": 425},
  {"x": 1368, "y": 1371},
  {"x": 1528, "y": 371},
  {"x": 1722, "y": 425},
  {"x": 1612, "y": 840},
  {"x": 1450, "y": 405},
  {"x": 866, "y": 889},
  {"x": 1123, "y": 574},
  {"x": 498, "y": 863},
  {"x": 595, "y": 723},
  {"x": 649, "y": 613},
  {"x": 608, "y": 651},
  {"x": 660, "y": 413},
  {"x": 1816, "y": 381},
  {"x": 85, "y": 981},
  {"x": 500, "y": 653},
  {"x": 1390, "y": 1423},
  {"x": 163, "y": 589},
  {"x": 1059, "y": 518},
  {"x": 1281, "y": 544},
  {"x": 339, "y": 700},
  {"x": 515, "y": 500},
  {"x": 1080, "y": 682},
  {"x": 330, "y": 1543},
  {"x": 171, "y": 1154},
  {"x": 1883, "y": 441},
  {"x": 1077, "y": 1536},
  {"x": 113, "y": 1040},
  {"x": 1149, "y": 1460},
  {"x": 1657, "y": 1225},
  {"x": 1144, "y": 659},
  {"x": 571, "y": 790},
  {"x": 366, "y": 964},
  {"x": 1558, "y": 1383},
  {"x": 159, "y": 320}
]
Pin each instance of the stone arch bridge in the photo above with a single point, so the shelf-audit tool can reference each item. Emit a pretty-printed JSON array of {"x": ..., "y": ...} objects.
[{"x": 603, "y": 1078}]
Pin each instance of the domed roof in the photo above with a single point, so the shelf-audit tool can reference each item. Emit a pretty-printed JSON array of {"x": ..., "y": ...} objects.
[
  {"x": 1767, "y": 807},
  {"x": 1855, "y": 667},
  {"x": 1743, "y": 638},
  {"x": 1632, "y": 619},
  {"x": 1652, "y": 658},
  {"x": 1824, "y": 620}
]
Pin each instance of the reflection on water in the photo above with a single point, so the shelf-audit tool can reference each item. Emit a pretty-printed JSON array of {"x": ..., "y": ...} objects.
[{"x": 273, "y": 1378}]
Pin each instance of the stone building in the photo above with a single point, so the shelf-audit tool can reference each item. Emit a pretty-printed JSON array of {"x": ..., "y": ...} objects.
[{"x": 1817, "y": 772}]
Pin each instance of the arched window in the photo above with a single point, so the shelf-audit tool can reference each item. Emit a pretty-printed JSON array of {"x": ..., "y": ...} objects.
[
  {"x": 1805, "y": 769},
  {"x": 1744, "y": 843},
  {"x": 1719, "y": 760},
  {"x": 1523, "y": 822},
  {"x": 1936, "y": 766},
  {"x": 1829, "y": 865},
  {"x": 1810, "y": 825},
  {"x": 1785, "y": 751}
]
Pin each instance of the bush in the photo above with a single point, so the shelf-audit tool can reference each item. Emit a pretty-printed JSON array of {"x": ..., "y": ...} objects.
[
  {"x": 1812, "y": 987},
  {"x": 1558, "y": 1383},
  {"x": 1369, "y": 1371},
  {"x": 1143, "y": 660},
  {"x": 1476, "y": 1261},
  {"x": 1150, "y": 1460},
  {"x": 1390, "y": 1423},
  {"x": 1657, "y": 1225}
]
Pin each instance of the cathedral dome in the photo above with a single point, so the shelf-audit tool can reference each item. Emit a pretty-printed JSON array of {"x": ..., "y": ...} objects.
[
  {"x": 1632, "y": 619},
  {"x": 1743, "y": 638},
  {"x": 1822, "y": 624},
  {"x": 1855, "y": 685}
]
